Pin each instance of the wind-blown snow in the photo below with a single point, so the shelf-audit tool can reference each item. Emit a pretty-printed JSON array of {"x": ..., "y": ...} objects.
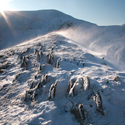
[
  {"x": 55, "y": 79},
  {"x": 109, "y": 40}
]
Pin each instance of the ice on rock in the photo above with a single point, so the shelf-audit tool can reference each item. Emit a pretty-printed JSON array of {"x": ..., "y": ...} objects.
[
  {"x": 52, "y": 90},
  {"x": 86, "y": 82}
]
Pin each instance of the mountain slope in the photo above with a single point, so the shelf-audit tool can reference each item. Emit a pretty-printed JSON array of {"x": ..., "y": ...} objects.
[
  {"x": 30, "y": 24},
  {"x": 50, "y": 78},
  {"x": 57, "y": 70},
  {"x": 109, "y": 40}
]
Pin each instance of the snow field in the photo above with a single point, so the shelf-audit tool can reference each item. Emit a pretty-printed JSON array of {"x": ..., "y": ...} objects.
[{"x": 50, "y": 79}]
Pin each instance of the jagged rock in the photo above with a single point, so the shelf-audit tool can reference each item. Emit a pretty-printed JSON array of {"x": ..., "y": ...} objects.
[
  {"x": 33, "y": 93},
  {"x": 24, "y": 63},
  {"x": 52, "y": 90},
  {"x": 52, "y": 55},
  {"x": 75, "y": 87},
  {"x": 86, "y": 83},
  {"x": 4, "y": 66},
  {"x": 37, "y": 56},
  {"x": 38, "y": 44},
  {"x": 72, "y": 81},
  {"x": 52, "y": 47},
  {"x": 36, "y": 51},
  {"x": 98, "y": 100},
  {"x": 32, "y": 85},
  {"x": 81, "y": 112},
  {"x": 116, "y": 78},
  {"x": 71, "y": 92},
  {"x": 25, "y": 51},
  {"x": 1, "y": 70},
  {"x": 79, "y": 86},
  {"x": 36, "y": 88},
  {"x": 57, "y": 63},
  {"x": 28, "y": 95},
  {"x": 40, "y": 69},
  {"x": 41, "y": 53},
  {"x": 45, "y": 77},
  {"x": 40, "y": 85},
  {"x": 49, "y": 59},
  {"x": 107, "y": 81},
  {"x": 1, "y": 56},
  {"x": 16, "y": 77},
  {"x": 78, "y": 112},
  {"x": 40, "y": 47}
]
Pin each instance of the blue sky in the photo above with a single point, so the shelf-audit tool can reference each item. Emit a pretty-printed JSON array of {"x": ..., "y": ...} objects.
[{"x": 101, "y": 12}]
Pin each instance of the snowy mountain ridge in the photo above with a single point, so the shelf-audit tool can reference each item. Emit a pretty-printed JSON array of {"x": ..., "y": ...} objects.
[
  {"x": 109, "y": 40},
  {"x": 55, "y": 76}
]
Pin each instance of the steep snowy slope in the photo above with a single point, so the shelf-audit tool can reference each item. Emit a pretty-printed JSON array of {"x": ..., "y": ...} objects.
[
  {"x": 49, "y": 78},
  {"x": 16, "y": 27},
  {"x": 52, "y": 81},
  {"x": 109, "y": 40}
]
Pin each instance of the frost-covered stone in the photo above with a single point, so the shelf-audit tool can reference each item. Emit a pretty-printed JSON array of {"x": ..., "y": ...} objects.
[
  {"x": 78, "y": 112},
  {"x": 72, "y": 81},
  {"x": 72, "y": 90},
  {"x": 52, "y": 90},
  {"x": 99, "y": 104},
  {"x": 37, "y": 56},
  {"x": 40, "y": 53},
  {"x": 57, "y": 63},
  {"x": 4, "y": 66},
  {"x": 1, "y": 70},
  {"x": 50, "y": 58},
  {"x": 116, "y": 78},
  {"x": 75, "y": 87},
  {"x": 28, "y": 95},
  {"x": 86, "y": 83},
  {"x": 24, "y": 63}
]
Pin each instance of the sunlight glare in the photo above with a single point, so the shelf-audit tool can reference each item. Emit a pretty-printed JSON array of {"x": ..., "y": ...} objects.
[{"x": 4, "y": 5}]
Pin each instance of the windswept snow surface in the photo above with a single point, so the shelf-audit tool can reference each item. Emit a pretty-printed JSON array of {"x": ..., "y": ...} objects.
[
  {"x": 20, "y": 26},
  {"x": 58, "y": 70},
  {"x": 26, "y": 84}
]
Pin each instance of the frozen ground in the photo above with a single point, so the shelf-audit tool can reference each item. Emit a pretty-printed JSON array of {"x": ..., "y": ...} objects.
[
  {"x": 61, "y": 75},
  {"x": 28, "y": 95}
]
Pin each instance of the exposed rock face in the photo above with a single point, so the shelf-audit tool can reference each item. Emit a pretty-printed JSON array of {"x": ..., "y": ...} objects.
[
  {"x": 36, "y": 88},
  {"x": 86, "y": 83},
  {"x": 57, "y": 63},
  {"x": 78, "y": 112},
  {"x": 79, "y": 85},
  {"x": 24, "y": 64},
  {"x": 99, "y": 104},
  {"x": 52, "y": 90}
]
